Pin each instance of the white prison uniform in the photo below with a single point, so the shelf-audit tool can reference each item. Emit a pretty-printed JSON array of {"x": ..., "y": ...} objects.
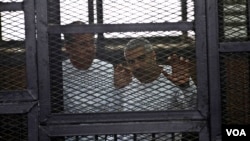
[
  {"x": 161, "y": 94},
  {"x": 88, "y": 90}
]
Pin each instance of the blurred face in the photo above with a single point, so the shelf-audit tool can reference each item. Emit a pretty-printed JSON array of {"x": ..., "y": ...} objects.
[
  {"x": 81, "y": 50},
  {"x": 140, "y": 62}
]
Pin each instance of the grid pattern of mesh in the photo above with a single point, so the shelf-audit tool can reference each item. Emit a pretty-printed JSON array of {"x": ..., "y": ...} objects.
[
  {"x": 121, "y": 12},
  {"x": 136, "y": 137},
  {"x": 93, "y": 88},
  {"x": 13, "y": 128},
  {"x": 235, "y": 87},
  {"x": 12, "y": 52},
  {"x": 233, "y": 20},
  {"x": 138, "y": 11},
  {"x": 71, "y": 10},
  {"x": 11, "y": 1},
  {"x": 234, "y": 67}
]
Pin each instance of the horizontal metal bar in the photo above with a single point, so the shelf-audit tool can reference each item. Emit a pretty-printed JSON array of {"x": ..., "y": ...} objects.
[
  {"x": 234, "y": 46},
  {"x": 8, "y": 96},
  {"x": 14, "y": 6},
  {"x": 102, "y": 28},
  {"x": 123, "y": 117},
  {"x": 12, "y": 44},
  {"x": 16, "y": 108},
  {"x": 30, "y": 47},
  {"x": 124, "y": 128}
]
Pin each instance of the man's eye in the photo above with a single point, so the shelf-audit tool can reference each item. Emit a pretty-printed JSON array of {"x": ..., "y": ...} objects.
[{"x": 141, "y": 58}]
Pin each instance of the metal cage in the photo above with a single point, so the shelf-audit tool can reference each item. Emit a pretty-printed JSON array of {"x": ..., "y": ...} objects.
[{"x": 44, "y": 96}]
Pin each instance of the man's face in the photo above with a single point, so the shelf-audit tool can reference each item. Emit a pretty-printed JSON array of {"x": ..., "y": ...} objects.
[
  {"x": 81, "y": 50},
  {"x": 140, "y": 62}
]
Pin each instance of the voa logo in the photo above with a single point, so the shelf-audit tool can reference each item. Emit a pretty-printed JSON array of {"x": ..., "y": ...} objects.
[{"x": 236, "y": 132}]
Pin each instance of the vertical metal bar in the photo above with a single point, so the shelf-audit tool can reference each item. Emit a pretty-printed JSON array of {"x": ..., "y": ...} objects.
[
  {"x": 91, "y": 11},
  {"x": 43, "y": 59},
  {"x": 248, "y": 106},
  {"x": 100, "y": 46},
  {"x": 135, "y": 137},
  {"x": 248, "y": 18},
  {"x": 214, "y": 72},
  {"x": 55, "y": 45},
  {"x": 184, "y": 10},
  {"x": 248, "y": 103},
  {"x": 1, "y": 27},
  {"x": 201, "y": 56},
  {"x": 221, "y": 21},
  {"x": 99, "y": 10},
  {"x": 33, "y": 124},
  {"x": 172, "y": 136},
  {"x": 43, "y": 136},
  {"x": 204, "y": 135},
  {"x": 30, "y": 47},
  {"x": 201, "y": 59},
  {"x": 153, "y": 137},
  {"x": 184, "y": 14},
  {"x": 96, "y": 137},
  {"x": 53, "y": 11},
  {"x": 248, "y": 38}
]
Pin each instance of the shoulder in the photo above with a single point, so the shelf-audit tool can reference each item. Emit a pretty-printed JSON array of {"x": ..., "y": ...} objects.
[
  {"x": 66, "y": 64},
  {"x": 101, "y": 66},
  {"x": 100, "y": 63}
]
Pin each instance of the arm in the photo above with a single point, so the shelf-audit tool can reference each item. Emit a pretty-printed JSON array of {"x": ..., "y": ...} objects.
[
  {"x": 180, "y": 71},
  {"x": 181, "y": 77},
  {"x": 122, "y": 76}
]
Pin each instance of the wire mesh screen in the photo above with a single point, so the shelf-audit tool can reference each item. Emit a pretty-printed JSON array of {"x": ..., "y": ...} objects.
[
  {"x": 233, "y": 20},
  {"x": 13, "y": 127},
  {"x": 122, "y": 71},
  {"x": 74, "y": 10},
  {"x": 11, "y": 0},
  {"x": 12, "y": 52},
  {"x": 235, "y": 88},
  {"x": 135, "y": 137},
  {"x": 147, "y": 11},
  {"x": 234, "y": 67},
  {"x": 123, "y": 11}
]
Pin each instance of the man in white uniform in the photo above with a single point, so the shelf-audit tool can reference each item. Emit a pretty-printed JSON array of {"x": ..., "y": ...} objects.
[
  {"x": 150, "y": 87},
  {"x": 87, "y": 82},
  {"x": 154, "y": 87}
]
